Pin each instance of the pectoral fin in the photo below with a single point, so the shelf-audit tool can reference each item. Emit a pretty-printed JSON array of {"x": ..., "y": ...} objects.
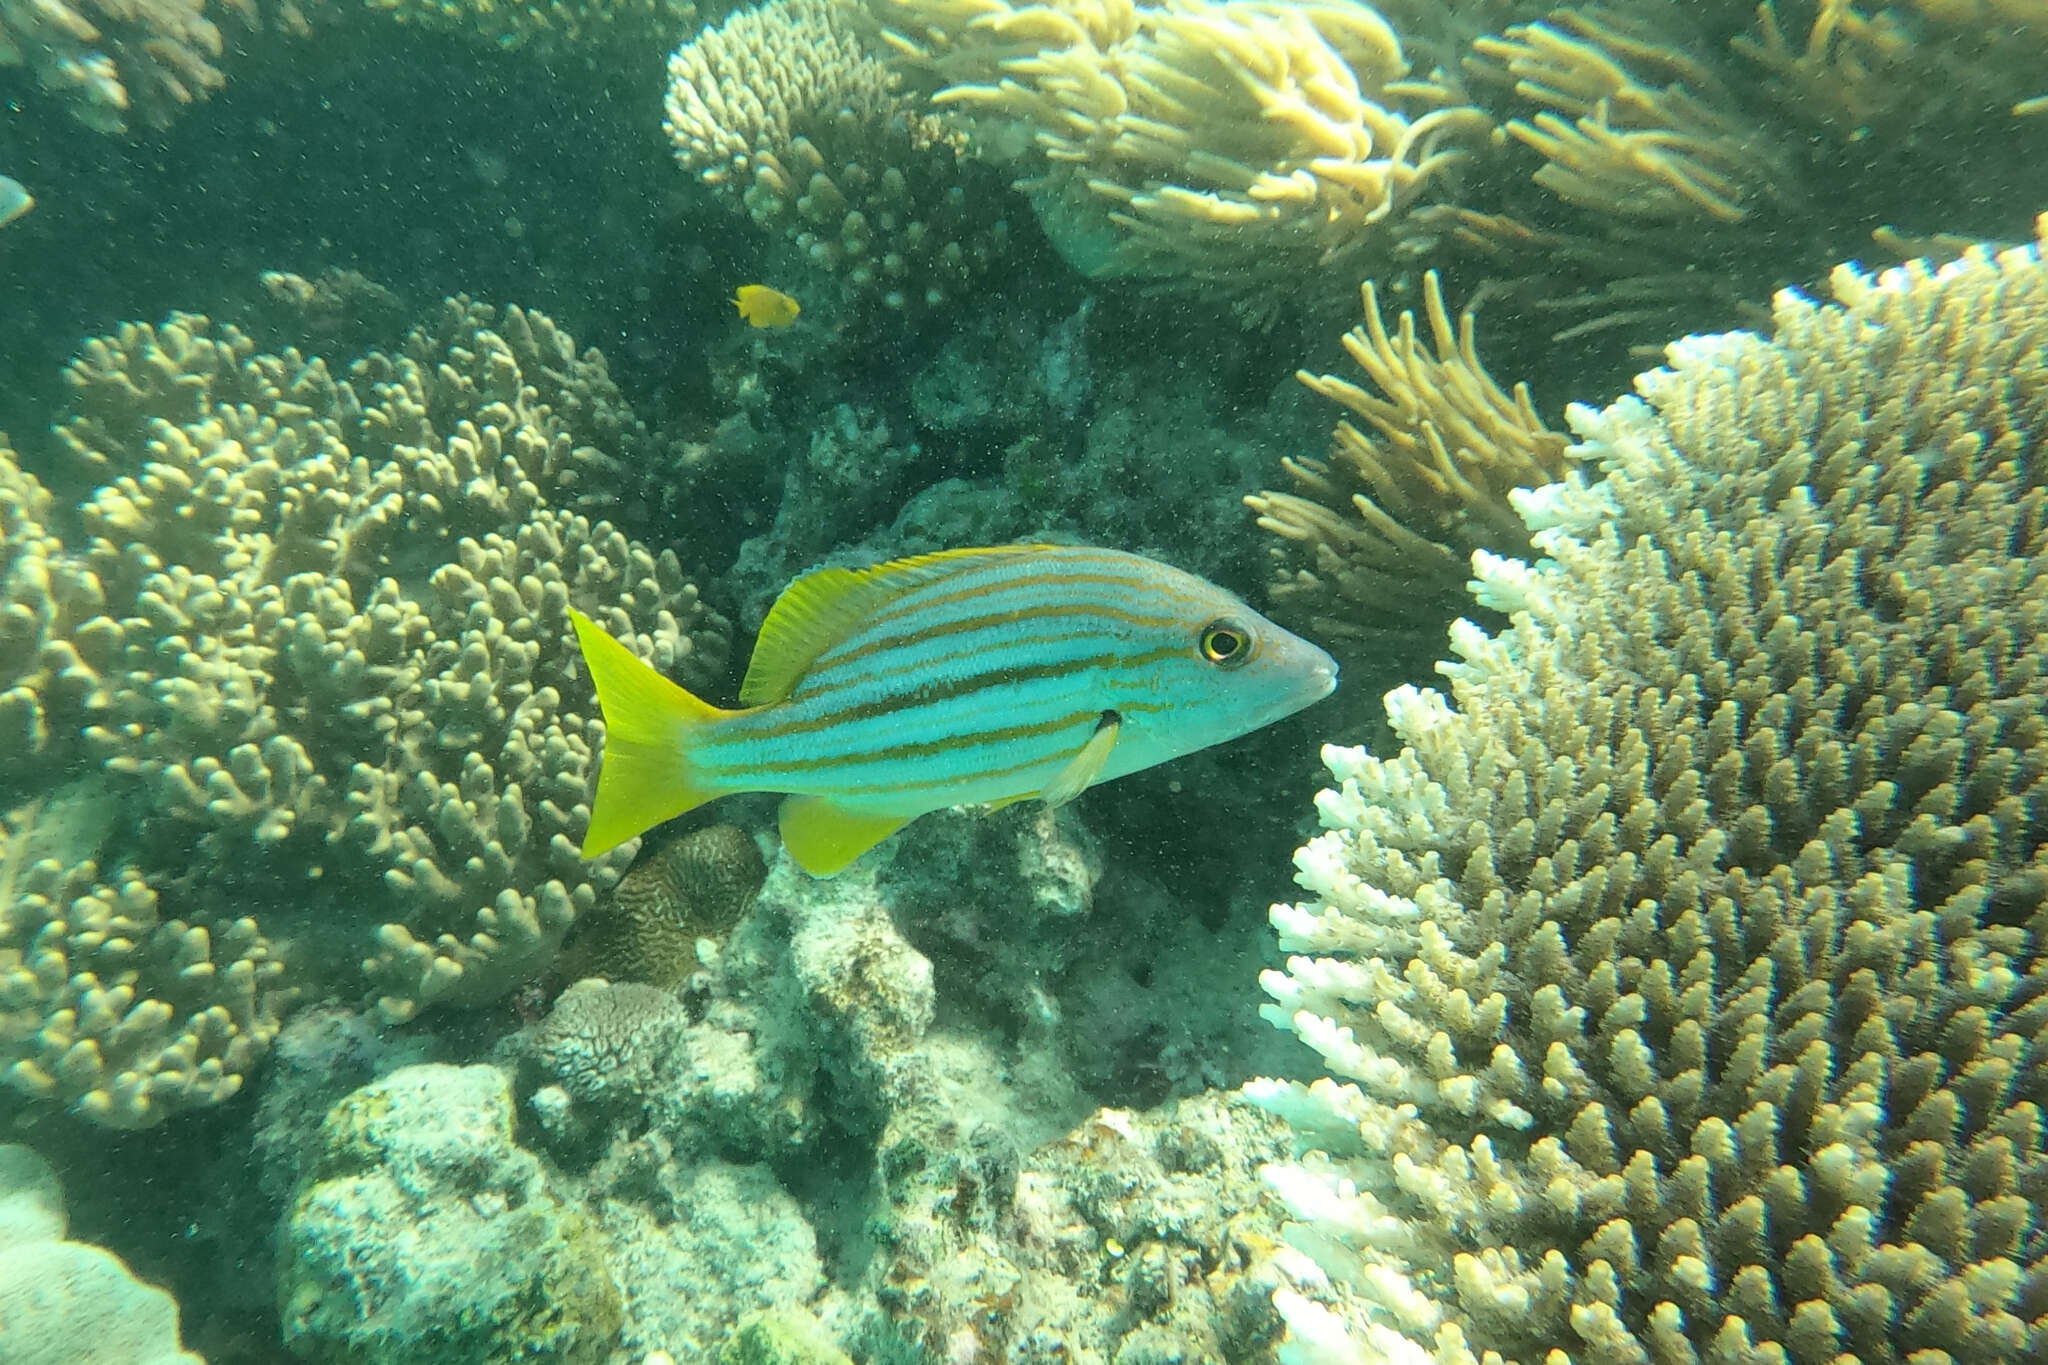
[
  {"x": 1084, "y": 767},
  {"x": 825, "y": 837}
]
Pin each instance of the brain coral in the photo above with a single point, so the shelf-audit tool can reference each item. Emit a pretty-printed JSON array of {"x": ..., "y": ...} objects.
[
  {"x": 696, "y": 885},
  {"x": 1683, "y": 986},
  {"x": 316, "y": 631}
]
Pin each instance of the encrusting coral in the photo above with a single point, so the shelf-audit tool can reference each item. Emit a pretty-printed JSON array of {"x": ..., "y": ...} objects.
[
  {"x": 1682, "y": 986},
  {"x": 316, "y": 629},
  {"x": 1388, "y": 526},
  {"x": 782, "y": 110},
  {"x": 1229, "y": 142},
  {"x": 421, "y": 1233}
]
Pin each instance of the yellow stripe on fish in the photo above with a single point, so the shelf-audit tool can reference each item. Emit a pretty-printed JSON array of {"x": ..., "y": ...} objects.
[{"x": 970, "y": 676}]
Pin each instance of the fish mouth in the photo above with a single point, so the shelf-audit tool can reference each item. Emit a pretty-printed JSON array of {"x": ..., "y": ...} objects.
[
  {"x": 1319, "y": 681},
  {"x": 1316, "y": 684}
]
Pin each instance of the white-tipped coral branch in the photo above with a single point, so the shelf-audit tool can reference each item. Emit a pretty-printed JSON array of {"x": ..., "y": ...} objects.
[{"x": 1686, "y": 975}]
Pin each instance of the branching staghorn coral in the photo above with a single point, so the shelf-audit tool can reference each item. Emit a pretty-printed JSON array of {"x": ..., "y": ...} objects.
[
  {"x": 1389, "y": 524},
  {"x": 1858, "y": 66},
  {"x": 1629, "y": 123},
  {"x": 783, "y": 110},
  {"x": 1229, "y": 142},
  {"x": 1682, "y": 986},
  {"x": 1691, "y": 156},
  {"x": 335, "y": 670}
]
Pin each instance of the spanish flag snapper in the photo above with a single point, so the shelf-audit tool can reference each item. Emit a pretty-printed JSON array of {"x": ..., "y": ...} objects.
[{"x": 986, "y": 675}]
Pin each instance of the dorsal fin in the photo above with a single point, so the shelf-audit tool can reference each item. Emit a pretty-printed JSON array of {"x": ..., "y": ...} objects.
[{"x": 822, "y": 608}]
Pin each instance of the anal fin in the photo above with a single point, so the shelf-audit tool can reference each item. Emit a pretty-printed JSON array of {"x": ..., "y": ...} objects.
[{"x": 824, "y": 837}]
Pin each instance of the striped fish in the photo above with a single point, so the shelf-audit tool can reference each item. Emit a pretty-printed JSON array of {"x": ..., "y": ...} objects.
[{"x": 986, "y": 675}]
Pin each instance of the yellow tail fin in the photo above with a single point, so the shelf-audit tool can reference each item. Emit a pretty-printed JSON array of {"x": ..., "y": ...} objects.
[{"x": 648, "y": 724}]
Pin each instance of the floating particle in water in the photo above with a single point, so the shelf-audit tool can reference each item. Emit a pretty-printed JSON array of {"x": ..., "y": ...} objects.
[{"x": 15, "y": 200}]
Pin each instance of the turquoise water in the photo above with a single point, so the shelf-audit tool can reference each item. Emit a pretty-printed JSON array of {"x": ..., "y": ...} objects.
[{"x": 1685, "y": 977}]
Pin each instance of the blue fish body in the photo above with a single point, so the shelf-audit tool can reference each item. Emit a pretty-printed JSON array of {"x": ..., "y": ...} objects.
[{"x": 973, "y": 676}]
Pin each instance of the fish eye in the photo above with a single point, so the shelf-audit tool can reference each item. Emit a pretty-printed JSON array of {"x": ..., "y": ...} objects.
[{"x": 1225, "y": 644}]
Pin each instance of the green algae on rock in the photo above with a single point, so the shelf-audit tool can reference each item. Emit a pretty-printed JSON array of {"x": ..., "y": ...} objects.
[{"x": 423, "y": 1234}]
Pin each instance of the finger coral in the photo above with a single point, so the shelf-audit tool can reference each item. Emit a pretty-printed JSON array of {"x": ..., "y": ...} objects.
[
  {"x": 1227, "y": 141},
  {"x": 110, "y": 60},
  {"x": 558, "y": 29},
  {"x": 315, "y": 630},
  {"x": 1388, "y": 526},
  {"x": 1687, "y": 157},
  {"x": 783, "y": 111},
  {"x": 52, "y": 660},
  {"x": 1682, "y": 985},
  {"x": 111, "y": 1009}
]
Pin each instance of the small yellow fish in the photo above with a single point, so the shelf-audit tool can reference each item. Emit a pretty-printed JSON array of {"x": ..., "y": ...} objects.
[{"x": 765, "y": 307}]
